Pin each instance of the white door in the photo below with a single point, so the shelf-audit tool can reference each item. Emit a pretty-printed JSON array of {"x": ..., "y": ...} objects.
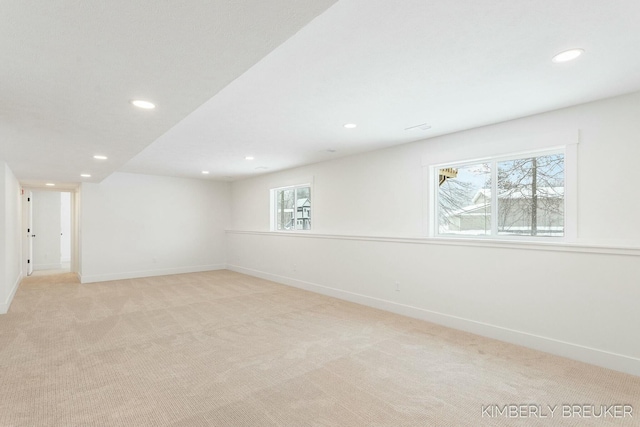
[
  {"x": 30, "y": 234},
  {"x": 46, "y": 230}
]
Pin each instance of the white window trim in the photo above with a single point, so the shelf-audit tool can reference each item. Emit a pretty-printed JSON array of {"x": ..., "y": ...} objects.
[
  {"x": 570, "y": 152},
  {"x": 273, "y": 207}
]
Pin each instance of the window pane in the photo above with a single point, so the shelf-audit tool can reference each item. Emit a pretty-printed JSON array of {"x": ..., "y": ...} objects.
[
  {"x": 531, "y": 196},
  {"x": 464, "y": 200},
  {"x": 284, "y": 209},
  {"x": 303, "y": 208}
]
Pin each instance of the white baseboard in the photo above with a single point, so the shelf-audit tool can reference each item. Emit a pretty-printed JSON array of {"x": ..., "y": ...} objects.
[
  {"x": 618, "y": 362},
  {"x": 148, "y": 273},
  {"x": 4, "y": 306}
]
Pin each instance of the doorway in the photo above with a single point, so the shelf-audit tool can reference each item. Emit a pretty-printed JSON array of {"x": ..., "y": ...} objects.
[{"x": 50, "y": 237}]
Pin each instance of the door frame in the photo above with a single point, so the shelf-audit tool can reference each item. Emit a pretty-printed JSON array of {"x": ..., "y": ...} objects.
[
  {"x": 27, "y": 223},
  {"x": 27, "y": 231}
]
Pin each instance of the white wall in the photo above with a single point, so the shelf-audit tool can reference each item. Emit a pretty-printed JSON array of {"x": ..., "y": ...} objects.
[
  {"x": 11, "y": 245},
  {"x": 47, "y": 210},
  {"x": 140, "y": 225},
  {"x": 381, "y": 193},
  {"x": 4, "y": 286},
  {"x": 576, "y": 300},
  {"x": 378, "y": 193},
  {"x": 76, "y": 241},
  {"x": 65, "y": 227}
]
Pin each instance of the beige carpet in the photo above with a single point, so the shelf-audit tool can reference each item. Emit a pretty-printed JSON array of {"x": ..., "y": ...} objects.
[{"x": 225, "y": 349}]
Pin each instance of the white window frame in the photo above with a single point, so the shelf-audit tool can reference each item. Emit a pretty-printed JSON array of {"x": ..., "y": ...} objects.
[
  {"x": 570, "y": 194},
  {"x": 274, "y": 207}
]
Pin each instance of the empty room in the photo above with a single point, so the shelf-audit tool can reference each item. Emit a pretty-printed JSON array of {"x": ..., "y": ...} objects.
[{"x": 319, "y": 213}]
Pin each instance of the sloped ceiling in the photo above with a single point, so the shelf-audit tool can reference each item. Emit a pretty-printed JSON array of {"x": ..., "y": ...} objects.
[{"x": 70, "y": 67}]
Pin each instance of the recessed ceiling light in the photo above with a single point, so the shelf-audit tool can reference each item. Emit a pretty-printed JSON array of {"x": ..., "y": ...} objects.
[
  {"x": 249, "y": 158},
  {"x": 50, "y": 184},
  {"x": 350, "y": 125},
  {"x": 205, "y": 172},
  {"x": 85, "y": 175},
  {"x": 143, "y": 104},
  {"x": 100, "y": 157},
  {"x": 567, "y": 55}
]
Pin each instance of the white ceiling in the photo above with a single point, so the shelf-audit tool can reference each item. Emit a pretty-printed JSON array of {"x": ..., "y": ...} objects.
[
  {"x": 278, "y": 80},
  {"x": 68, "y": 69}
]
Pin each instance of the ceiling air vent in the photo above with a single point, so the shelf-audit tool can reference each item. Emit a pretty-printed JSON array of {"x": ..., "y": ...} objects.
[{"x": 423, "y": 126}]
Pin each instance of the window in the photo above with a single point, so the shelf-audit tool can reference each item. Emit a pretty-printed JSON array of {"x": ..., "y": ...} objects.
[
  {"x": 521, "y": 195},
  {"x": 291, "y": 208}
]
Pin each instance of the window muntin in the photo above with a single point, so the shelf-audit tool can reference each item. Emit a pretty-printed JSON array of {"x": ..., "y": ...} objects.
[
  {"x": 530, "y": 196},
  {"x": 292, "y": 208}
]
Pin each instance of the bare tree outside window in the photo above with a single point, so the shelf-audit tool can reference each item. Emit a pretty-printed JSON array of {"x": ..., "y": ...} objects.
[
  {"x": 285, "y": 200},
  {"x": 530, "y": 197},
  {"x": 463, "y": 207}
]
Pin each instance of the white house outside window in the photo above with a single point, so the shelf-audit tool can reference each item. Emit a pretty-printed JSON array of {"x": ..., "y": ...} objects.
[{"x": 292, "y": 208}]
